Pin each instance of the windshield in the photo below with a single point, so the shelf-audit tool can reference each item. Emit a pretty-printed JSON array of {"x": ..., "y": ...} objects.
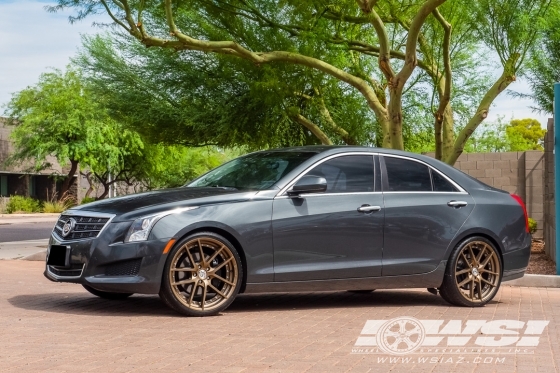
[{"x": 257, "y": 171}]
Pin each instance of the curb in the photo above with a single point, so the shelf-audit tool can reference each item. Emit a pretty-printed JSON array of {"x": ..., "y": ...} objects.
[
  {"x": 43, "y": 215},
  {"x": 41, "y": 256},
  {"x": 536, "y": 281}
]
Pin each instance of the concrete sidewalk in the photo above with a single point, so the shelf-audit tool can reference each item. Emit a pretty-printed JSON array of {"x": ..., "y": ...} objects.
[
  {"x": 28, "y": 250},
  {"x": 27, "y": 218}
]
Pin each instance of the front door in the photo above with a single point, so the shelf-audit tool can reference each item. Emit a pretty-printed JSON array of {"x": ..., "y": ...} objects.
[{"x": 324, "y": 235}]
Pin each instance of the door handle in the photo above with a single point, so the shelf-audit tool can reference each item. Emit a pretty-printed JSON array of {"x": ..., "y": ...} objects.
[
  {"x": 368, "y": 208},
  {"x": 457, "y": 204}
]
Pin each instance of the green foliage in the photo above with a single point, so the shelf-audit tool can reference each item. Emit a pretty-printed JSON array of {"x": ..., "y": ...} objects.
[
  {"x": 21, "y": 204},
  {"x": 517, "y": 135},
  {"x": 543, "y": 70},
  {"x": 55, "y": 205},
  {"x": 532, "y": 225},
  {"x": 525, "y": 134},
  {"x": 87, "y": 200}
]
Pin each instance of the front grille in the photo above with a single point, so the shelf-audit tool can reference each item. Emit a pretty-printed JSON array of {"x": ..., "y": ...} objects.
[
  {"x": 86, "y": 227},
  {"x": 125, "y": 268},
  {"x": 75, "y": 271}
]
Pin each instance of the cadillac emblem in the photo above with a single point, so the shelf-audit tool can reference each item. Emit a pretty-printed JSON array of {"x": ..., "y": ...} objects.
[{"x": 68, "y": 227}]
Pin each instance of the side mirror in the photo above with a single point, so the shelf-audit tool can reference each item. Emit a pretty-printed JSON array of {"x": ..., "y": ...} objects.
[{"x": 309, "y": 184}]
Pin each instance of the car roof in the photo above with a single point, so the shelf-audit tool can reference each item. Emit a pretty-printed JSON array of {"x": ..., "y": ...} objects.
[{"x": 458, "y": 176}]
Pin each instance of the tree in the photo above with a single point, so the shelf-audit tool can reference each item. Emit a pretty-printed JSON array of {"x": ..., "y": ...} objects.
[
  {"x": 517, "y": 135},
  {"x": 525, "y": 134},
  {"x": 56, "y": 118},
  {"x": 543, "y": 70},
  {"x": 382, "y": 44}
]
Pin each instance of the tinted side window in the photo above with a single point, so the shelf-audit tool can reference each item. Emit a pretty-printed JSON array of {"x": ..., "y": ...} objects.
[
  {"x": 407, "y": 176},
  {"x": 347, "y": 174},
  {"x": 441, "y": 184}
]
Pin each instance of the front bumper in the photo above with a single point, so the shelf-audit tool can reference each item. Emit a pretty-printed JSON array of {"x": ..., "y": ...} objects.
[{"x": 134, "y": 267}]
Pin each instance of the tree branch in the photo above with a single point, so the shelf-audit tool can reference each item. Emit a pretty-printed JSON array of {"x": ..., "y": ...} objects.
[
  {"x": 507, "y": 77},
  {"x": 312, "y": 127},
  {"x": 445, "y": 97}
]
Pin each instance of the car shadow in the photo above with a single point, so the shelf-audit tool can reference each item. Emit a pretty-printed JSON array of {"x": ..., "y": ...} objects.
[{"x": 150, "y": 305}]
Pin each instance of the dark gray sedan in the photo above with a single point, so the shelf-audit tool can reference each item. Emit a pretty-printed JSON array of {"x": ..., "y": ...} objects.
[{"x": 298, "y": 219}]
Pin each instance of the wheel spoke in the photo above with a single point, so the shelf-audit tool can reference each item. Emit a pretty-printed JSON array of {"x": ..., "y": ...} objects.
[
  {"x": 223, "y": 279},
  {"x": 193, "y": 291},
  {"x": 472, "y": 289},
  {"x": 473, "y": 259},
  {"x": 482, "y": 265},
  {"x": 189, "y": 281},
  {"x": 222, "y": 264},
  {"x": 202, "y": 259},
  {"x": 183, "y": 270},
  {"x": 487, "y": 271},
  {"x": 464, "y": 281},
  {"x": 193, "y": 263},
  {"x": 479, "y": 285},
  {"x": 215, "y": 255},
  {"x": 465, "y": 258},
  {"x": 462, "y": 272},
  {"x": 488, "y": 282},
  {"x": 482, "y": 251},
  {"x": 217, "y": 290},
  {"x": 203, "y": 300}
]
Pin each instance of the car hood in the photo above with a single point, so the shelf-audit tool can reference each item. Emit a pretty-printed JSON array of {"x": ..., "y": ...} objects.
[{"x": 131, "y": 206}]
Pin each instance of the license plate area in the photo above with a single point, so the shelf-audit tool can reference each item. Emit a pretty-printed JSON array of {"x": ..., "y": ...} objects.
[{"x": 59, "y": 256}]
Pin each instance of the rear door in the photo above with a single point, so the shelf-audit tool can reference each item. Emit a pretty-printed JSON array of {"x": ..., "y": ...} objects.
[{"x": 423, "y": 211}]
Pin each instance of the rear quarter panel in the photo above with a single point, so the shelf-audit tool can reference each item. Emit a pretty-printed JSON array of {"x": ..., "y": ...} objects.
[{"x": 500, "y": 218}]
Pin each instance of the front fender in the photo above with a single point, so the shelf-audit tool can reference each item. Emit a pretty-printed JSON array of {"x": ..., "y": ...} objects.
[{"x": 249, "y": 222}]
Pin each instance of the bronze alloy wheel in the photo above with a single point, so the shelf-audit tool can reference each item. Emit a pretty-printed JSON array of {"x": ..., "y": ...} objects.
[
  {"x": 474, "y": 273},
  {"x": 202, "y": 275}
]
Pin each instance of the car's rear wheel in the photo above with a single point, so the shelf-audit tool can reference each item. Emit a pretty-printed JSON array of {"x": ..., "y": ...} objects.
[
  {"x": 474, "y": 273},
  {"x": 106, "y": 294},
  {"x": 202, "y": 275}
]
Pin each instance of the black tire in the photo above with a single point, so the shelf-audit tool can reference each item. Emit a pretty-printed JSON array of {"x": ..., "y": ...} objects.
[
  {"x": 106, "y": 294},
  {"x": 185, "y": 286},
  {"x": 361, "y": 291},
  {"x": 474, "y": 273}
]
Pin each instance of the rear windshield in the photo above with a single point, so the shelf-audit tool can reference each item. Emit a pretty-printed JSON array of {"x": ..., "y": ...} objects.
[{"x": 256, "y": 171}]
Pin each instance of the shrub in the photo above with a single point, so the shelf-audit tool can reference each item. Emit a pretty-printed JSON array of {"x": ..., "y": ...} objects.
[
  {"x": 532, "y": 225},
  {"x": 57, "y": 206},
  {"x": 87, "y": 200},
  {"x": 22, "y": 204}
]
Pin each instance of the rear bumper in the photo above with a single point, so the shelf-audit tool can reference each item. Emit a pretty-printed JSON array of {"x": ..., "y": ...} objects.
[
  {"x": 515, "y": 262},
  {"x": 134, "y": 267}
]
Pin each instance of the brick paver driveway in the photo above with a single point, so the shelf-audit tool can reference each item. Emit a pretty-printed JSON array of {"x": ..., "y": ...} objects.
[{"x": 60, "y": 327}]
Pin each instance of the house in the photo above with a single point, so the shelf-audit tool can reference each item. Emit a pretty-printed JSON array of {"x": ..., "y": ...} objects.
[{"x": 19, "y": 180}]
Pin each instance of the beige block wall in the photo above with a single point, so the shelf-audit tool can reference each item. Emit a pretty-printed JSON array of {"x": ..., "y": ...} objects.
[{"x": 520, "y": 173}]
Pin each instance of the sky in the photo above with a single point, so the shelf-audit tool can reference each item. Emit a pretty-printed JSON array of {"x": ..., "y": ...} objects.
[{"x": 33, "y": 40}]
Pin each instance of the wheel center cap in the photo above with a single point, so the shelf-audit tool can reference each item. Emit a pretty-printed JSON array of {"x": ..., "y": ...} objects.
[
  {"x": 475, "y": 272},
  {"x": 202, "y": 274}
]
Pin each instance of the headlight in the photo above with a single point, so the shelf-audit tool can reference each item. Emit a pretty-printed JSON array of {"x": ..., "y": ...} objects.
[{"x": 141, "y": 228}]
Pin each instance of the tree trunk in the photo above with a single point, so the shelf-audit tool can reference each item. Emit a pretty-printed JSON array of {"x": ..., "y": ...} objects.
[
  {"x": 69, "y": 178},
  {"x": 105, "y": 191}
]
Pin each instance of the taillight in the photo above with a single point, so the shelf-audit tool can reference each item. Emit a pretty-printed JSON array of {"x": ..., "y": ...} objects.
[{"x": 520, "y": 201}]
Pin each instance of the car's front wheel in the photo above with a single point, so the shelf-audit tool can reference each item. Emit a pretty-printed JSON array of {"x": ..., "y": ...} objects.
[
  {"x": 202, "y": 275},
  {"x": 106, "y": 294},
  {"x": 474, "y": 273}
]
